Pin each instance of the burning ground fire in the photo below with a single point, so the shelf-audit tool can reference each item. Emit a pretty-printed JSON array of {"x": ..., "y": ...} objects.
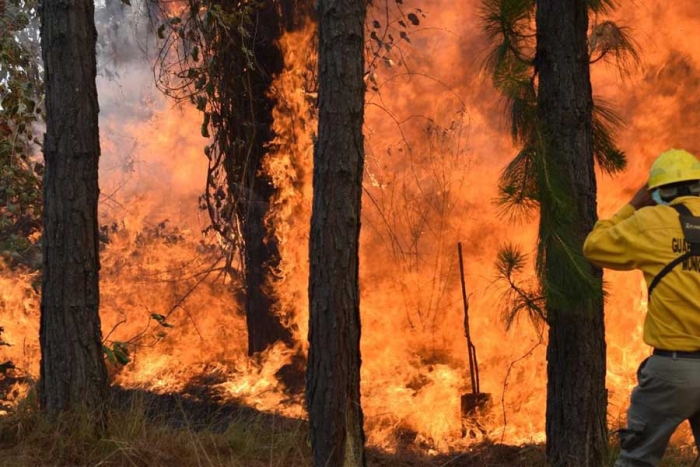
[{"x": 436, "y": 142}]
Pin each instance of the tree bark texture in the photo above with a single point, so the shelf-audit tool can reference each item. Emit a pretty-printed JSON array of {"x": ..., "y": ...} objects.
[
  {"x": 576, "y": 396},
  {"x": 333, "y": 373},
  {"x": 249, "y": 129},
  {"x": 265, "y": 319},
  {"x": 73, "y": 373}
]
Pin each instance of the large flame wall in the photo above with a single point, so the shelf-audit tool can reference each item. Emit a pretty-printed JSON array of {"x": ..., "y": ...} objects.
[{"x": 436, "y": 140}]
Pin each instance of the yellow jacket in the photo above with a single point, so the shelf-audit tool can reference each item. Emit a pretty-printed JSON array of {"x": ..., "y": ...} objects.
[{"x": 649, "y": 239}]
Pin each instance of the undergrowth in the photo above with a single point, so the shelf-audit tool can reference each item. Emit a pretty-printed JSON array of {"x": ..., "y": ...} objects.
[
  {"x": 28, "y": 438},
  {"x": 143, "y": 434}
]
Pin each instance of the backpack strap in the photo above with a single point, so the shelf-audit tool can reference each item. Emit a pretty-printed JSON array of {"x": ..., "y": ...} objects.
[{"x": 683, "y": 211}]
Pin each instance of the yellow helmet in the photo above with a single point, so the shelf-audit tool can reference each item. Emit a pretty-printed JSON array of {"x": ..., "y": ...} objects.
[{"x": 673, "y": 166}]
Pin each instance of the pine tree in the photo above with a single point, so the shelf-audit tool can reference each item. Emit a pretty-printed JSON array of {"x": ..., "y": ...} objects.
[
  {"x": 545, "y": 76},
  {"x": 333, "y": 374},
  {"x": 73, "y": 373}
]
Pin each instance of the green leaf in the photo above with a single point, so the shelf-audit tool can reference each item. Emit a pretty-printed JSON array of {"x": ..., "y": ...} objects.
[
  {"x": 161, "y": 320},
  {"x": 121, "y": 353},
  {"x": 122, "y": 358},
  {"x": 110, "y": 355},
  {"x": 118, "y": 354}
]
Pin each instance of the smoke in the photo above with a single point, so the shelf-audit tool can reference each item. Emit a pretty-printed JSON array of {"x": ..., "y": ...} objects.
[{"x": 436, "y": 141}]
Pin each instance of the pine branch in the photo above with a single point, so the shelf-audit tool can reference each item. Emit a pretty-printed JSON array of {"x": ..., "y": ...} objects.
[
  {"x": 613, "y": 43},
  {"x": 564, "y": 273},
  {"x": 508, "y": 23},
  {"x": 602, "y": 6},
  {"x": 518, "y": 187},
  {"x": 606, "y": 122},
  {"x": 518, "y": 299},
  {"x": 533, "y": 178}
]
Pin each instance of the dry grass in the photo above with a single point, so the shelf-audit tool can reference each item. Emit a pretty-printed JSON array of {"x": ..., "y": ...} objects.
[
  {"x": 28, "y": 439},
  {"x": 143, "y": 434}
]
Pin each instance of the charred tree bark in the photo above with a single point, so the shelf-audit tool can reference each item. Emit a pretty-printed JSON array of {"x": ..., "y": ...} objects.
[
  {"x": 333, "y": 373},
  {"x": 576, "y": 395},
  {"x": 249, "y": 133},
  {"x": 248, "y": 92},
  {"x": 73, "y": 373},
  {"x": 261, "y": 256},
  {"x": 261, "y": 260}
]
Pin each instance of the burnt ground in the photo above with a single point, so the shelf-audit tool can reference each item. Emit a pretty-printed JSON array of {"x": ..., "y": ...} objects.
[{"x": 198, "y": 407}]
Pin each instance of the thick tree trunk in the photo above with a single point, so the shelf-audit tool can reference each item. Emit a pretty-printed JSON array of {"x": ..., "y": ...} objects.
[
  {"x": 263, "y": 316},
  {"x": 333, "y": 373},
  {"x": 250, "y": 135},
  {"x": 73, "y": 373},
  {"x": 576, "y": 395}
]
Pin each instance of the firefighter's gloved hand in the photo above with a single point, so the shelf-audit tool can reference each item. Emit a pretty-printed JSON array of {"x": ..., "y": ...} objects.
[{"x": 642, "y": 198}]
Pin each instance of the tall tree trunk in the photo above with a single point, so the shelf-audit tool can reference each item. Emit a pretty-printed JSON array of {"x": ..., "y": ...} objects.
[
  {"x": 333, "y": 373},
  {"x": 249, "y": 128},
  {"x": 241, "y": 68},
  {"x": 73, "y": 373},
  {"x": 576, "y": 395},
  {"x": 262, "y": 257}
]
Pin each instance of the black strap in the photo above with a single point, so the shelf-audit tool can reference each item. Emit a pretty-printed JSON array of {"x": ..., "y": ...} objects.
[
  {"x": 666, "y": 270},
  {"x": 682, "y": 211}
]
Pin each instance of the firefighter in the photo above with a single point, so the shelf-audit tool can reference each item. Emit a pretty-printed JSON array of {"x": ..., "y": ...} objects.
[{"x": 647, "y": 234}]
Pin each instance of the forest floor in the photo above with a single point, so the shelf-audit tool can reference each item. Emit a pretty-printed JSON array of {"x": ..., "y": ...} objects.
[{"x": 148, "y": 429}]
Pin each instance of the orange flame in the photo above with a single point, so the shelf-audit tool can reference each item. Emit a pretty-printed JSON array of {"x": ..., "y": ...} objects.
[{"x": 435, "y": 144}]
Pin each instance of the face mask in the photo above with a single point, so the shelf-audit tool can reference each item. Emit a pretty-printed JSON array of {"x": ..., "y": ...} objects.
[{"x": 656, "y": 196}]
